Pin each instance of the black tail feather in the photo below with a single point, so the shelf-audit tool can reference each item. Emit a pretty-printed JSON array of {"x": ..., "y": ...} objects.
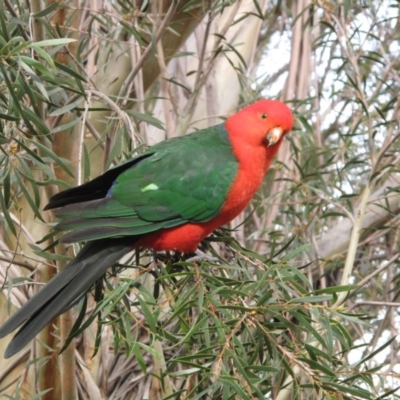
[
  {"x": 95, "y": 189},
  {"x": 62, "y": 291}
]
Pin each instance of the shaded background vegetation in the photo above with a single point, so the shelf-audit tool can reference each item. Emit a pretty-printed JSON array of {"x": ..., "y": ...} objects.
[{"x": 302, "y": 300}]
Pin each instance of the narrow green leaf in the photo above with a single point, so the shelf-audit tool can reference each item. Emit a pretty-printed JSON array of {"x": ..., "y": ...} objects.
[
  {"x": 9, "y": 117},
  {"x": 29, "y": 116},
  {"x": 66, "y": 108},
  {"x": 308, "y": 327},
  {"x": 229, "y": 381},
  {"x": 295, "y": 252},
  {"x": 6, "y": 214},
  {"x": 311, "y": 299},
  {"x": 150, "y": 320},
  {"x": 315, "y": 365},
  {"x": 70, "y": 71},
  {"x": 353, "y": 390},
  {"x": 31, "y": 62},
  {"x": 45, "y": 56},
  {"x": 7, "y": 188},
  {"x": 77, "y": 324},
  {"x": 86, "y": 164},
  {"x": 388, "y": 393},
  {"x": 74, "y": 121},
  {"x": 51, "y": 42},
  {"x": 259, "y": 10},
  {"x": 139, "y": 358},
  {"x": 48, "y": 10},
  {"x": 28, "y": 197},
  {"x": 47, "y": 255},
  {"x": 336, "y": 289},
  {"x": 28, "y": 175},
  {"x": 377, "y": 351},
  {"x": 185, "y": 372},
  {"x": 53, "y": 156},
  {"x": 146, "y": 118}
]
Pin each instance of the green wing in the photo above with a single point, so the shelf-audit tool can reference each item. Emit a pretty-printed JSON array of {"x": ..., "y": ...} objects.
[{"x": 181, "y": 180}]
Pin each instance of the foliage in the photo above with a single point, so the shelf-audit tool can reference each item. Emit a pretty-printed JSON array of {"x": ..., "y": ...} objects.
[
  {"x": 224, "y": 334},
  {"x": 300, "y": 300}
]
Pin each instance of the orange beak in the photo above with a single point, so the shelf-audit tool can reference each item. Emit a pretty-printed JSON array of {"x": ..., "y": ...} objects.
[{"x": 274, "y": 135}]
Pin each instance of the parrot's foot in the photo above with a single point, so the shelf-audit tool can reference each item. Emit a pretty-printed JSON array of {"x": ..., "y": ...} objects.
[{"x": 201, "y": 256}]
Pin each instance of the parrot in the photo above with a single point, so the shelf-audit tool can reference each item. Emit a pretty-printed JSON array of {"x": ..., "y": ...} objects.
[{"x": 168, "y": 198}]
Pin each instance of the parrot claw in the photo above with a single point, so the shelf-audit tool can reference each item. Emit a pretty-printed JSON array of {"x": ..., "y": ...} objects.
[{"x": 201, "y": 256}]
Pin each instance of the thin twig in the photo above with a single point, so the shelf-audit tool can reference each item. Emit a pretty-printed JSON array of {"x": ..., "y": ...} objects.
[
  {"x": 165, "y": 91},
  {"x": 163, "y": 26},
  {"x": 122, "y": 114},
  {"x": 375, "y": 303},
  {"x": 81, "y": 139},
  {"x": 19, "y": 263},
  {"x": 191, "y": 104}
]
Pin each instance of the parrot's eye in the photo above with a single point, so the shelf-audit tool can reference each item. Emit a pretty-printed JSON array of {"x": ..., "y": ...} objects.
[{"x": 264, "y": 115}]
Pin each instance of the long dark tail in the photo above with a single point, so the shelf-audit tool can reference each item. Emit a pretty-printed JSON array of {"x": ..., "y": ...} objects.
[{"x": 59, "y": 294}]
